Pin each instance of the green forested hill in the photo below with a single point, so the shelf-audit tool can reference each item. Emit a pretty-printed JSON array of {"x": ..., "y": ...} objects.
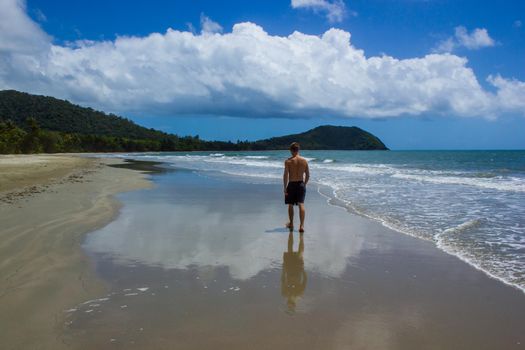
[
  {"x": 33, "y": 124},
  {"x": 326, "y": 137},
  {"x": 53, "y": 114}
]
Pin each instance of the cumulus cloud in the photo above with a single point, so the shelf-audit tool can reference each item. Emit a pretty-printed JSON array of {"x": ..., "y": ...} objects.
[
  {"x": 209, "y": 26},
  {"x": 510, "y": 93},
  {"x": 334, "y": 10},
  {"x": 476, "y": 39},
  {"x": 246, "y": 72},
  {"x": 18, "y": 33}
]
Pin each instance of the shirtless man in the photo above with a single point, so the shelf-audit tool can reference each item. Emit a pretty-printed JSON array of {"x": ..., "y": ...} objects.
[{"x": 295, "y": 177}]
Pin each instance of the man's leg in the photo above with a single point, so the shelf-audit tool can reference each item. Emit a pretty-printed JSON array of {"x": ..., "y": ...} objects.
[
  {"x": 301, "y": 216},
  {"x": 290, "y": 216}
]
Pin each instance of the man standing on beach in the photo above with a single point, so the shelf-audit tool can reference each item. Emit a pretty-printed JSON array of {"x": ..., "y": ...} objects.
[{"x": 295, "y": 177}]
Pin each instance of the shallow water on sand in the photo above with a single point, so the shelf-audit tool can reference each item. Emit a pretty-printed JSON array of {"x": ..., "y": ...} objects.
[
  {"x": 469, "y": 203},
  {"x": 203, "y": 261}
]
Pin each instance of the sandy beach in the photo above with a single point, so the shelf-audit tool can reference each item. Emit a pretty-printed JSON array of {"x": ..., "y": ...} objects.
[
  {"x": 47, "y": 204},
  {"x": 202, "y": 260}
]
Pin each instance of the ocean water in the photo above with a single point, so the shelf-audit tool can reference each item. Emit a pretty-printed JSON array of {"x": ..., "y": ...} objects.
[{"x": 469, "y": 203}]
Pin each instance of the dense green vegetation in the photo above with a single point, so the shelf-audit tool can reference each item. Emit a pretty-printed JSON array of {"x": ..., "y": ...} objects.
[
  {"x": 59, "y": 115},
  {"x": 33, "y": 139},
  {"x": 326, "y": 137},
  {"x": 35, "y": 124}
]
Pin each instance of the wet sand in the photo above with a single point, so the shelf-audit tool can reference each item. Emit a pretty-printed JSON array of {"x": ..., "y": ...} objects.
[
  {"x": 47, "y": 204},
  {"x": 203, "y": 261}
]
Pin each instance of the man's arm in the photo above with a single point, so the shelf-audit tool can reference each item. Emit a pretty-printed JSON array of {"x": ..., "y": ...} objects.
[
  {"x": 285, "y": 176},
  {"x": 306, "y": 174}
]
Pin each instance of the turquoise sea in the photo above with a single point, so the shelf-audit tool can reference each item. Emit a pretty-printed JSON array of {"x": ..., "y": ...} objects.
[{"x": 469, "y": 203}]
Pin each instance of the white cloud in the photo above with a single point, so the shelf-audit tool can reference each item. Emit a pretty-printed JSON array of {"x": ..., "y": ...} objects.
[
  {"x": 191, "y": 27},
  {"x": 334, "y": 10},
  {"x": 517, "y": 24},
  {"x": 18, "y": 33},
  {"x": 447, "y": 45},
  {"x": 209, "y": 26},
  {"x": 246, "y": 73},
  {"x": 510, "y": 93},
  {"x": 476, "y": 39}
]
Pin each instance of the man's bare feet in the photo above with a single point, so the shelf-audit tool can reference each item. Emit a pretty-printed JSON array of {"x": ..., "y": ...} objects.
[
  {"x": 289, "y": 225},
  {"x": 301, "y": 229}
]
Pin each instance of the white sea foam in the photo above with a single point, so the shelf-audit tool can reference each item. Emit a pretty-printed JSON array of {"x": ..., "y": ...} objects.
[
  {"x": 461, "y": 227},
  {"x": 509, "y": 184},
  {"x": 251, "y": 174},
  {"x": 361, "y": 168},
  {"x": 256, "y": 157},
  {"x": 237, "y": 161},
  {"x": 95, "y": 300},
  {"x": 492, "y": 268},
  {"x": 233, "y": 160}
]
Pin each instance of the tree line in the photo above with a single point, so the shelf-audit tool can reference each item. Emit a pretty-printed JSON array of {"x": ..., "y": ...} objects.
[{"x": 34, "y": 139}]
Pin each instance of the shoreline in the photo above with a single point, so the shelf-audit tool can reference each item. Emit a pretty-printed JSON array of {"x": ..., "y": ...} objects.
[
  {"x": 347, "y": 207},
  {"x": 437, "y": 242},
  {"x": 47, "y": 204}
]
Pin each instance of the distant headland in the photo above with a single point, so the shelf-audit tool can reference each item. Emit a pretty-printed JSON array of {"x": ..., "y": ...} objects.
[{"x": 35, "y": 124}]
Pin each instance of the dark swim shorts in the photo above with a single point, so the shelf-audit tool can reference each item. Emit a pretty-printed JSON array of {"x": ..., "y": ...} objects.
[{"x": 295, "y": 192}]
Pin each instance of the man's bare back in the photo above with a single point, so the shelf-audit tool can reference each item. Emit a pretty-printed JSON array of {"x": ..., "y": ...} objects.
[
  {"x": 297, "y": 169},
  {"x": 295, "y": 177}
]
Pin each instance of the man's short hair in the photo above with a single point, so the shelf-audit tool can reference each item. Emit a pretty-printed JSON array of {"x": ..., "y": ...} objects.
[{"x": 294, "y": 147}]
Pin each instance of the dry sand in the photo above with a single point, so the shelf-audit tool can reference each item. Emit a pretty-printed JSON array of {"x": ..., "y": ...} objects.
[{"x": 47, "y": 204}]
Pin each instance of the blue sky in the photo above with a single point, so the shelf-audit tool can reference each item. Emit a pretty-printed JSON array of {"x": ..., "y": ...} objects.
[{"x": 413, "y": 72}]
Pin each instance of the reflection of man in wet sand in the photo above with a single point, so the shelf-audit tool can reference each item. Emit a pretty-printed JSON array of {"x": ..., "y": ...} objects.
[
  {"x": 295, "y": 177},
  {"x": 293, "y": 278}
]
